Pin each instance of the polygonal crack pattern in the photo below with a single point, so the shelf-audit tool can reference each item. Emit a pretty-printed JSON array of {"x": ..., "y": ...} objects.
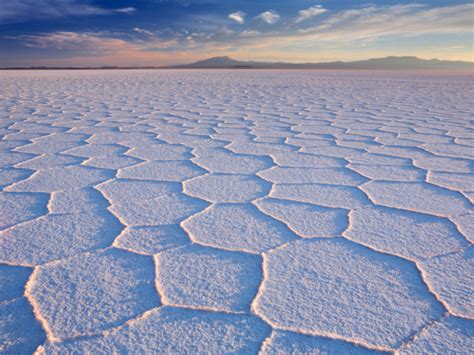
[{"x": 290, "y": 212}]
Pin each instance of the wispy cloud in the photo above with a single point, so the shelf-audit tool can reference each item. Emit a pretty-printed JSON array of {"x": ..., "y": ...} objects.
[
  {"x": 309, "y": 13},
  {"x": 238, "y": 17},
  {"x": 126, "y": 10},
  {"x": 143, "y": 31},
  {"x": 269, "y": 17},
  {"x": 88, "y": 42},
  {"x": 96, "y": 43},
  {"x": 398, "y": 20},
  {"x": 23, "y": 10},
  {"x": 249, "y": 33}
]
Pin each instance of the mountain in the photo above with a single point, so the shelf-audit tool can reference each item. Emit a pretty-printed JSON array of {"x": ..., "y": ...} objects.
[
  {"x": 216, "y": 62},
  {"x": 388, "y": 63},
  {"x": 392, "y": 63}
]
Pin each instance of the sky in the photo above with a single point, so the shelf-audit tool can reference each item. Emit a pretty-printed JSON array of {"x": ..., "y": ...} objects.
[{"x": 164, "y": 32}]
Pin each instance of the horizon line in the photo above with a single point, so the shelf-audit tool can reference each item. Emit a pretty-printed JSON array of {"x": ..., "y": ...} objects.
[{"x": 177, "y": 66}]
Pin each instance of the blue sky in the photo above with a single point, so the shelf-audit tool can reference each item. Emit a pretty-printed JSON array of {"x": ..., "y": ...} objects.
[{"x": 161, "y": 32}]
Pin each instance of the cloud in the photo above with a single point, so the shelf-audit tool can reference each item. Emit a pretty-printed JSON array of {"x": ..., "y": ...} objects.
[
  {"x": 25, "y": 10},
  {"x": 372, "y": 22},
  {"x": 142, "y": 31},
  {"x": 88, "y": 42},
  {"x": 126, "y": 10},
  {"x": 94, "y": 43},
  {"x": 313, "y": 11},
  {"x": 237, "y": 17},
  {"x": 249, "y": 33},
  {"x": 269, "y": 16}
]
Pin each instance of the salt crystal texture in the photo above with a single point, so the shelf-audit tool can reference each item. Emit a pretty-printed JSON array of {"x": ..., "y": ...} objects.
[{"x": 236, "y": 212}]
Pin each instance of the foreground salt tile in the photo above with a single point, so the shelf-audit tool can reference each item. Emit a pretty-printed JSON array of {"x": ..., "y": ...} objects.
[
  {"x": 402, "y": 152},
  {"x": 334, "y": 176},
  {"x": 162, "y": 170},
  {"x": 227, "y": 188},
  {"x": 21, "y": 136},
  {"x": 306, "y": 220},
  {"x": 120, "y": 191},
  {"x": 332, "y": 151},
  {"x": 11, "y": 175},
  {"x": 76, "y": 201},
  {"x": 161, "y": 152},
  {"x": 62, "y": 178},
  {"x": 450, "y": 150},
  {"x": 337, "y": 288},
  {"x": 96, "y": 150},
  {"x": 118, "y": 137},
  {"x": 397, "y": 142},
  {"x": 465, "y": 225},
  {"x": 13, "y": 158},
  {"x": 450, "y": 335},
  {"x": 59, "y": 136},
  {"x": 411, "y": 235},
  {"x": 358, "y": 144},
  {"x": 232, "y": 163},
  {"x": 98, "y": 291},
  {"x": 20, "y": 207},
  {"x": 282, "y": 342},
  {"x": 151, "y": 240},
  {"x": 418, "y": 197},
  {"x": 254, "y": 148},
  {"x": 209, "y": 278},
  {"x": 378, "y": 159},
  {"x": 179, "y": 331},
  {"x": 20, "y": 332},
  {"x": 168, "y": 209},
  {"x": 428, "y": 138},
  {"x": 57, "y": 236},
  {"x": 324, "y": 195},
  {"x": 50, "y": 146},
  {"x": 445, "y": 164},
  {"x": 13, "y": 280},
  {"x": 303, "y": 160},
  {"x": 49, "y": 161},
  {"x": 112, "y": 162},
  {"x": 451, "y": 277},
  {"x": 452, "y": 181},
  {"x": 389, "y": 172},
  {"x": 240, "y": 227}
]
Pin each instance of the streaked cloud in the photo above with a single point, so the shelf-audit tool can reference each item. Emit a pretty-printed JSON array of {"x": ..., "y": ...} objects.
[
  {"x": 24, "y": 10},
  {"x": 143, "y": 31},
  {"x": 398, "y": 20},
  {"x": 313, "y": 11},
  {"x": 126, "y": 10},
  {"x": 95, "y": 42},
  {"x": 269, "y": 17},
  {"x": 238, "y": 17},
  {"x": 87, "y": 42},
  {"x": 249, "y": 33}
]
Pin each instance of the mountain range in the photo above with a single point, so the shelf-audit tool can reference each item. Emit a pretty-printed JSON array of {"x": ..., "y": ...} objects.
[
  {"x": 224, "y": 62},
  {"x": 406, "y": 63}
]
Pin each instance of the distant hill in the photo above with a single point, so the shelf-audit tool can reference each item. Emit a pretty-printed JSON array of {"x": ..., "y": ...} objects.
[
  {"x": 405, "y": 63},
  {"x": 388, "y": 63}
]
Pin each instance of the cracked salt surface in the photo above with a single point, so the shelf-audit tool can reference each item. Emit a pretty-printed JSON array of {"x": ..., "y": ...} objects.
[{"x": 236, "y": 211}]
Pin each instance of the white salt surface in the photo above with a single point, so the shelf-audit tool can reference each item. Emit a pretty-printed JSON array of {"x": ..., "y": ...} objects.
[{"x": 236, "y": 212}]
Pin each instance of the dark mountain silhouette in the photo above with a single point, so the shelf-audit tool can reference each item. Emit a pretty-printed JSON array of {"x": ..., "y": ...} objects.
[
  {"x": 376, "y": 63},
  {"x": 388, "y": 63}
]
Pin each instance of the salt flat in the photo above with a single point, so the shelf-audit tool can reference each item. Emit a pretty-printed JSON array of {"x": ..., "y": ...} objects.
[{"x": 236, "y": 211}]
